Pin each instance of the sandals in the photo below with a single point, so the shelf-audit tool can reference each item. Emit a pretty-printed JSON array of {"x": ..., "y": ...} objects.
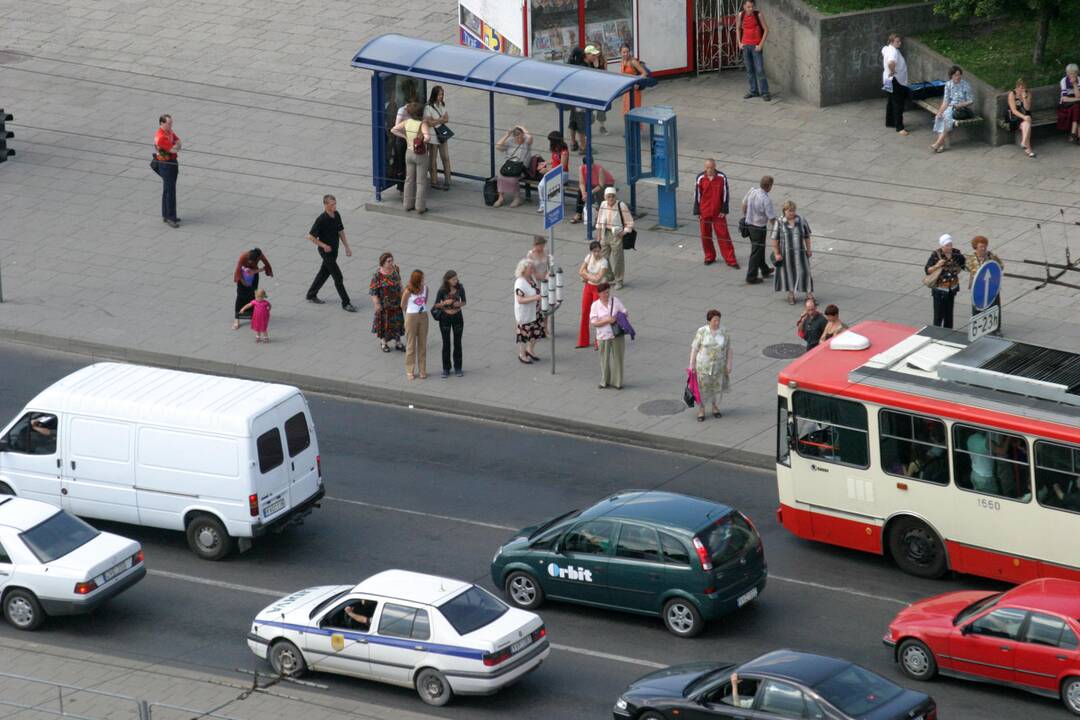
[
  {"x": 524, "y": 360},
  {"x": 534, "y": 358},
  {"x": 385, "y": 347},
  {"x": 575, "y": 220},
  {"x": 410, "y": 376},
  {"x": 1029, "y": 153},
  {"x": 235, "y": 324},
  {"x": 717, "y": 413},
  {"x": 701, "y": 418},
  {"x": 399, "y": 347}
]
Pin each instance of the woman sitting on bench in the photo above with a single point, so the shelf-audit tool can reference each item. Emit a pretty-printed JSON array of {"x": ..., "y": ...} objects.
[
  {"x": 955, "y": 105},
  {"x": 1068, "y": 111}
]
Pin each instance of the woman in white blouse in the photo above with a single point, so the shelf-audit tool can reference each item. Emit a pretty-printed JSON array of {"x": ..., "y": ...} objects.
[
  {"x": 414, "y": 303},
  {"x": 604, "y": 317},
  {"x": 593, "y": 271},
  {"x": 710, "y": 359},
  {"x": 435, "y": 114},
  {"x": 530, "y": 323}
]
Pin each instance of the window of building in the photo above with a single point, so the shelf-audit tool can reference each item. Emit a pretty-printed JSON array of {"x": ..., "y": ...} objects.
[
  {"x": 914, "y": 446},
  {"x": 269, "y": 448},
  {"x": 991, "y": 462},
  {"x": 1057, "y": 475},
  {"x": 638, "y": 543},
  {"x": 831, "y": 429}
]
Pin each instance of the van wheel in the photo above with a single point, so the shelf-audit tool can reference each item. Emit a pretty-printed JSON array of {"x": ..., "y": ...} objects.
[
  {"x": 682, "y": 618},
  {"x": 916, "y": 549},
  {"x": 207, "y": 537},
  {"x": 5, "y": 490},
  {"x": 433, "y": 687},
  {"x": 23, "y": 610},
  {"x": 286, "y": 659},
  {"x": 523, "y": 590}
]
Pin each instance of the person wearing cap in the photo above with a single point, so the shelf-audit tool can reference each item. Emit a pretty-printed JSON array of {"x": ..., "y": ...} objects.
[
  {"x": 613, "y": 221},
  {"x": 946, "y": 263},
  {"x": 982, "y": 255},
  {"x": 595, "y": 59}
]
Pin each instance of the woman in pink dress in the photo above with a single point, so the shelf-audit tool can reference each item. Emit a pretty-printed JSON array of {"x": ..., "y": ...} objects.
[{"x": 260, "y": 316}]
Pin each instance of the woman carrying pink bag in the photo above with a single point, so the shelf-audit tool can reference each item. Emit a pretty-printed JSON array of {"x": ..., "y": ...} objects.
[{"x": 710, "y": 364}]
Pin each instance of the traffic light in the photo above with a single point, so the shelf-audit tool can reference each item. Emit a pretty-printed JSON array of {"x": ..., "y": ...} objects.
[{"x": 4, "y": 135}]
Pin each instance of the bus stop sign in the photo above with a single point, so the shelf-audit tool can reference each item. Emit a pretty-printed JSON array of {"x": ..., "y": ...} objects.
[
  {"x": 985, "y": 285},
  {"x": 551, "y": 197}
]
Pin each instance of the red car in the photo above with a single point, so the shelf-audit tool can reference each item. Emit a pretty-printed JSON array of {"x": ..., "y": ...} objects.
[{"x": 1025, "y": 638}]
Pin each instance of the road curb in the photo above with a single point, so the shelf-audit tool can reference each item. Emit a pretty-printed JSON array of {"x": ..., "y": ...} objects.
[{"x": 372, "y": 393}]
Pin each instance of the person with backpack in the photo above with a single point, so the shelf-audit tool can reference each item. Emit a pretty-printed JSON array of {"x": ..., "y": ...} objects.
[
  {"x": 613, "y": 221},
  {"x": 631, "y": 66},
  {"x": 750, "y": 34},
  {"x": 417, "y": 134}
]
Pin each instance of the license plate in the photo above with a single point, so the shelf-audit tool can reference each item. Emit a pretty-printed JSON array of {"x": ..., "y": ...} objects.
[
  {"x": 116, "y": 570},
  {"x": 522, "y": 643},
  {"x": 274, "y": 507},
  {"x": 746, "y": 597}
]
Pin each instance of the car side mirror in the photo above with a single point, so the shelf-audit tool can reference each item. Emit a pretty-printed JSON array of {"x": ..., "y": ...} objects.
[{"x": 965, "y": 630}]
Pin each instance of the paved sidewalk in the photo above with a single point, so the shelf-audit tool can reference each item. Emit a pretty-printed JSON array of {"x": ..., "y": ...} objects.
[
  {"x": 190, "y": 693},
  {"x": 272, "y": 116}
]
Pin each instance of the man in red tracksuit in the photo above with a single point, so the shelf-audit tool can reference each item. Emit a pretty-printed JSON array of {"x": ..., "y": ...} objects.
[{"x": 711, "y": 206}]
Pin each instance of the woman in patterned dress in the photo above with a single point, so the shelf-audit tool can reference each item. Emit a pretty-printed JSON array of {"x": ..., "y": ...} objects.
[
  {"x": 791, "y": 248},
  {"x": 710, "y": 359},
  {"x": 530, "y": 323},
  {"x": 385, "y": 290}
]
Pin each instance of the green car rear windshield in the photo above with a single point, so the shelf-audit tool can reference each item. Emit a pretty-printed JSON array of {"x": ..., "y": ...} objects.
[
  {"x": 472, "y": 610},
  {"x": 729, "y": 538},
  {"x": 57, "y": 536}
]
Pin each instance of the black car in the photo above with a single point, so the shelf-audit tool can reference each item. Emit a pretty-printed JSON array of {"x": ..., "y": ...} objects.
[{"x": 783, "y": 684}]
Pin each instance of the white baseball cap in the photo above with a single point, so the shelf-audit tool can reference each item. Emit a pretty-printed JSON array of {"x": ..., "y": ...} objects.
[
  {"x": 944, "y": 240},
  {"x": 609, "y": 191}
]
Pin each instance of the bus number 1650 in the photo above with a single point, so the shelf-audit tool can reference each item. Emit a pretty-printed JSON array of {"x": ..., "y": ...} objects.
[{"x": 988, "y": 504}]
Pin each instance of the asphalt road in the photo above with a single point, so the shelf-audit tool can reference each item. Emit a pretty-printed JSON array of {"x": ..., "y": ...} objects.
[{"x": 435, "y": 493}]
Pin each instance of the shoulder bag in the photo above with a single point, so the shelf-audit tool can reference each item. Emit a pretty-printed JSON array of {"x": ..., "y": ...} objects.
[
  {"x": 744, "y": 229},
  {"x": 512, "y": 167},
  {"x": 629, "y": 239},
  {"x": 931, "y": 279},
  {"x": 419, "y": 147},
  {"x": 443, "y": 133},
  {"x": 616, "y": 328}
]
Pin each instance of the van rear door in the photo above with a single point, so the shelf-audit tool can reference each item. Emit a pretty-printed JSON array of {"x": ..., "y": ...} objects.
[
  {"x": 271, "y": 470},
  {"x": 302, "y": 449}
]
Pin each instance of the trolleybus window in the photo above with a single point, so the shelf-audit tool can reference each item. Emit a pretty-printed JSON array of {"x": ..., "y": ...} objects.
[
  {"x": 1057, "y": 475},
  {"x": 783, "y": 439},
  {"x": 914, "y": 446},
  {"x": 991, "y": 462},
  {"x": 831, "y": 429}
]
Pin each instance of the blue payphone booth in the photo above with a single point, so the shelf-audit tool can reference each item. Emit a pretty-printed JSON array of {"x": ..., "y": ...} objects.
[{"x": 663, "y": 168}]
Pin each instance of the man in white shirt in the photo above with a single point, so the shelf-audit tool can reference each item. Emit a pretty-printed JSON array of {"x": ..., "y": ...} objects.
[{"x": 894, "y": 80}]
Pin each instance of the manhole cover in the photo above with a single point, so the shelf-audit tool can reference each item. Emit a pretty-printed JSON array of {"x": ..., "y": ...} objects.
[
  {"x": 656, "y": 408},
  {"x": 783, "y": 351}
]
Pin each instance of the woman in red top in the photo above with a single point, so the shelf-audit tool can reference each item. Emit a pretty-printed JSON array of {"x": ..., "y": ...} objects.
[
  {"x": 750, "y": 34},
  {"x": 246, "y": 277}
]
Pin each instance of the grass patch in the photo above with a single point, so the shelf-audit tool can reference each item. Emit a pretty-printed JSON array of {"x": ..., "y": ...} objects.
[
  {"x": 834, "y": 7},
  {"x": 1000, "y": 52}
]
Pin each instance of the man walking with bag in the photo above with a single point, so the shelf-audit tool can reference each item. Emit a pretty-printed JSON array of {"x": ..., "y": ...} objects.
[
  {"x": 759, "y": 215},
  {"x": 711, "y": 206},
  {"x": 325, "y": 234},
  {"x": 166, "y": 149}
]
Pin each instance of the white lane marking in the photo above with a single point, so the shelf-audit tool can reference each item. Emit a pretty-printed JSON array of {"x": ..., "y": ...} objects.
[
  {"x": 217, "y": 583},
  {"x": 282, "y": 593},
  {"x": 846, "y": 591},
  {"x": 608, "y": 656},
  {"x": 423, "y": 514}
]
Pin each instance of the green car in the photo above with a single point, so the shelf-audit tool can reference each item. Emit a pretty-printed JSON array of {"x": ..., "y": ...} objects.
[{"x": 683, "y": 558}]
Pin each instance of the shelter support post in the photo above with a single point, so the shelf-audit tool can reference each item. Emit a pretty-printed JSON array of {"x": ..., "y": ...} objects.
[
  {"x": 588, "y": 177},
  {"x": 491, "y": 131},
  {"x": 378, "y": 134}
]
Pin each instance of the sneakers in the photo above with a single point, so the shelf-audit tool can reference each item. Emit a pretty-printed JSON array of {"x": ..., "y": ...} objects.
[
  {"x": 460, "y": 373},
  {"x": 445, "y": 374},
  {"x": 749, "y": 95}
]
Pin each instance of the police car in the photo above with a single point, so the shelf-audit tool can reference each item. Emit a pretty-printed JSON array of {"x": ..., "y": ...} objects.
[{"x": 437, "y": 635}]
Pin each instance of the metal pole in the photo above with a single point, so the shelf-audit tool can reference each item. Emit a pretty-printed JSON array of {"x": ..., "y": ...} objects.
[
  {"x": 551, "y": 268},
  {"x": 378, "y": 134},
  {"x": 588, "y": 176},
  {"x": 491, "y": 130},
  {"x": 1, "y": 286}
]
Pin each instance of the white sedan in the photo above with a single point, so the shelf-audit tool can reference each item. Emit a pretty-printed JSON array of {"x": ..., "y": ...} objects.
[
  {"x": 438, "y": 635},
  {"x": 53, "y": 563}
]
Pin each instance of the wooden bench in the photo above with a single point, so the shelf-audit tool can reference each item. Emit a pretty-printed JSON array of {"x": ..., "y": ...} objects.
[
  {"x": 1039, "y": 118},
  {"x": 933, "y": 104}
]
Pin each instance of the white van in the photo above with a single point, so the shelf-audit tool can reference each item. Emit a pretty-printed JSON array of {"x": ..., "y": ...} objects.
[{"x": 222, "y": 459}]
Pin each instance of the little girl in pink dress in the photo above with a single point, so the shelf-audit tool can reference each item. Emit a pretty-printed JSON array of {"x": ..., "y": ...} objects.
[{"x": 260, "y": 316}]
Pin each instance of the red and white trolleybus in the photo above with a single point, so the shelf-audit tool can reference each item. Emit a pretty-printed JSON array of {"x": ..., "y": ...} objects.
[{"x": 943, "y": 454}]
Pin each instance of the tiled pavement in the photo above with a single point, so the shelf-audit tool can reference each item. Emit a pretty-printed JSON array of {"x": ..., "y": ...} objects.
[{"x": 272, "y": 116}]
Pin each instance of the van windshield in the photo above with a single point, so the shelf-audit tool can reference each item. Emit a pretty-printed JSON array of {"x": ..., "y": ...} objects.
[
  {"x": 729, "y": 538},
  {"x": 472, "y": 610},
  {"x": 57, "y": 536}
]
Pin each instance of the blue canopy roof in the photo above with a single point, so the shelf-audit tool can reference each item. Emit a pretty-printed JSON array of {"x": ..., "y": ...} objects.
[{"x": 493, "y": 72}]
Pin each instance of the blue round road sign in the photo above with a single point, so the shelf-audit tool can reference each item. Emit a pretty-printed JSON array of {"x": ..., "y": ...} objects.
[{"x": 986, "y": 285}]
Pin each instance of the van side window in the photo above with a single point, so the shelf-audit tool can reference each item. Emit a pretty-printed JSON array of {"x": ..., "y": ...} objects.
[
  {"x": 296, "y": 434},
  {"x": 1057, "y": 476},
  {"x": 914, "y": 446},
  {"x": 831, "y": 429},
  {"x": 270, "y": 453},
  {"x": 674, "y": 551},
  {"x": 34, "y": 434},
  {"x": 991, "y": 462}
]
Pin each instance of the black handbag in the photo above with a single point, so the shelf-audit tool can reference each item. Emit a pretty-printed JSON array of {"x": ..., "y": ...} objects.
[
  {"x": 491, "y": 191},
  {"x": 154, "y": 165},
  {"x": 629, "y": 239},
  {"x": 443, "y": 133},
  {"x": 962, "y": 113},
  {"x": 744, "y": 229},
  {"x": 512, "y": 168}
]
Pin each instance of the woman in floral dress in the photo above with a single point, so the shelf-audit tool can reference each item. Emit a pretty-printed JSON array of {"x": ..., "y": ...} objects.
[
  {"x": 385, "y": 290},
  {"x": 710, "y": 359}
]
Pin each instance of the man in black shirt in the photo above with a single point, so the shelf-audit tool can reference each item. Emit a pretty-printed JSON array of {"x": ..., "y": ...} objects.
[
  {"x": 325, "y": 234},
  {"x": 811, "y": 324}
]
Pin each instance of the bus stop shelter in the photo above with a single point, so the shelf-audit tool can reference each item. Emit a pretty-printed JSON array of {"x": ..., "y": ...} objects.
[{"x": 565, "y": 86}]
